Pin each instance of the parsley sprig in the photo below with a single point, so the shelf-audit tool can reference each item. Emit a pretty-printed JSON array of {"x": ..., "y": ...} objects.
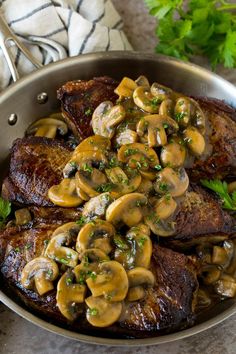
[
  {"x": 205, "y": 27},
  {"x": 5, "y": 209},
  {"x": 221, "y": 189}
]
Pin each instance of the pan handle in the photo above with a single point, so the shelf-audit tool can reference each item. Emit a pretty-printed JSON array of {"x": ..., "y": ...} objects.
[{"x": 7, "y": 37}]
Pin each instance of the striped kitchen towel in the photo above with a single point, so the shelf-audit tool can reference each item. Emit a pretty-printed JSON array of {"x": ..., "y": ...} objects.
[{"x": 55, "y": 29}]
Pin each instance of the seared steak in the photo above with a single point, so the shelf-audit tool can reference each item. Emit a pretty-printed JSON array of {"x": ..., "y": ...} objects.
[
  {"x": 36, "y": 164},
  {"x": 80, "y": 98},
  {"x": 222, "y": 160},
  {"x": 200, "y": 215},
  {"x": 164, "y": 306}
]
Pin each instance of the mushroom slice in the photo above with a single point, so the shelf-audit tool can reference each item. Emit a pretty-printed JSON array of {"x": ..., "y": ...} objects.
[
  {"x": 126, "y": 87},
  {"x": 89, "y": 182},
  {"x": 161, "y": 92},
  {"x": 40, "y": 272},
  {"x": 157, "y": 127},
  {"x": 122, "y": 183},
  {"x": 149, "y": 175},
  {"x": 69, "y": 295},
  {"x": 174, "y": 182},
  {"x": 145, "y": 100},
  {"x": 22, "y": 216},
  {"x": 89, "y": 264},
  {"x": 127, "y": 209},
  {"x": 95, "y": 235},
  {"x": 135, "y": 293},
  {"x": 106, "y": 117},
  {"x": 182, "y": 111},
  {"x": 140, "y": 276},
  {"x": 195, "y": 141},
  {"x": 210, "y": 274},
  {"x": 96, "y": 207},
  {"x": 93, "y": 143},
  {"x": 160, "y": 227},
  {"x": 188, "y": 111},
  {"x": 84, "y": 161},
  {"x": 226, "y": 286},
  {"x": 126, "y": 136},
  {"x": 47, "y": 127},
  {"x": 102, "y": 313},
  {"x": 93, "y": 255},
  {"x": 173, "y": 155},
  {"x": 70, "y": 228},
  {"x": 82, "y": 194},
  {"x": 111, "y": 281},
  {"x": 167, "y": 108},
  {"x": 138, "y": 156},
  {"x": 64, "y": 194},
  {"x": 165, "y": 207},
  {"x": 198, "y": 117},
  {"x": 59, "y": 253},
  {"x": 140, "y": 234},
  {"x": 142, "y": 81},
  {"x": 145, "y": 186}
]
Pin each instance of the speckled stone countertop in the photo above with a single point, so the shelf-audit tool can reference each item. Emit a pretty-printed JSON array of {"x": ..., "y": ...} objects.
[{"x": 17, "y": 336}]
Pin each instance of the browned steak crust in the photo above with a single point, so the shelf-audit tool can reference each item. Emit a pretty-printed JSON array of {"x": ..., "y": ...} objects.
[
  {"x": 163, "y": 307},
  {"x": 222, "y": 161},
  {"x": 79, "y": 99},
  {"x": 170, "y": 303},
  {"x": 36, "y": 164},
  {"x": 200, "y": 214}
]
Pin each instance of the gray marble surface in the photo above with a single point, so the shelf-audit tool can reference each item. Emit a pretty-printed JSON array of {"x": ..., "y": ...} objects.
[{"x": 17, "y": 336}]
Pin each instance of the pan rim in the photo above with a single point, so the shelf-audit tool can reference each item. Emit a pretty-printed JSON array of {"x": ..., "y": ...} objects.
[
  {"x": 162, "y": 339},
  {"x": 26, "y": 314},
  {"x": 137, "y": 55}
]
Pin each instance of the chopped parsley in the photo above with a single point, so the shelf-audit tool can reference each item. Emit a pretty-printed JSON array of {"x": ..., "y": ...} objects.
[
  {"x": 179, "y": 116},
  {"x": 155, "y": 101},
  {"x": 87, "y": 168},
  {"x": 69, "y": 280},
  {"x": 121, "y": 244},
  {"x": 63, "y": 261},
  {"x": 73, "y": 164},
  {"x": 129, "y": 152},
  {"x": 106, "y": 187},
  {"x": 158, "y": 167},
  {"x": 92, "y": 275},
  {"x": 163, "y": 187},
  {"x": 142, "y": 241},
  {"x": 113, "y": 162},
  {"x": 49, "y": 273},
  {"x": 28, "y": 246},
  {"x": 93, "y": 311},
  {"x": 88, "y": 111},
  {"x": 81, "y": 221}
]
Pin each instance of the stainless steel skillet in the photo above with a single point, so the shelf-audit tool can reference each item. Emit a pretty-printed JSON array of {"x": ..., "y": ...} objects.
[{"x": 24, "y": 102}]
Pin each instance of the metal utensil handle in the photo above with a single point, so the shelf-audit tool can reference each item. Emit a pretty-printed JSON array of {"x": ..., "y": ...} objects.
[{"x": 7, "y": 36}]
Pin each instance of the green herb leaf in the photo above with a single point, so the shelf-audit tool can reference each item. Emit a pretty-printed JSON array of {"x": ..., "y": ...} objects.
[
  {"x": 205, "y": 27},
  {"x": 5, "y": 209},
  {"x": 221, "y": 189}
]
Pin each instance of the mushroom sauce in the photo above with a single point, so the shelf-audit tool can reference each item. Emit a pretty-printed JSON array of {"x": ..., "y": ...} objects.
[{"x": 129, "y": 177}]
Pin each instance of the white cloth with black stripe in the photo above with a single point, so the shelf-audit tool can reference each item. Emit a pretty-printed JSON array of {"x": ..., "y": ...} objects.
[{"x": 55, "y": 29}]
